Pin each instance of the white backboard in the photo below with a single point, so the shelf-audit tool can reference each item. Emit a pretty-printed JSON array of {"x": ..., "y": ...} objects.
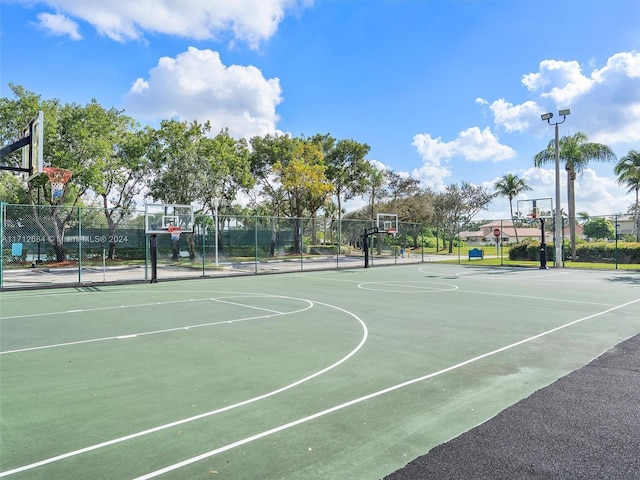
[{"x": 159, "y": 217}]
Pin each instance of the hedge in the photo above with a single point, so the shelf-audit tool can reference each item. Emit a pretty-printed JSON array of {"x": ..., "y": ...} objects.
[
  {"x": 605, "y": 252},
  {"x": 595, "y": 252}
]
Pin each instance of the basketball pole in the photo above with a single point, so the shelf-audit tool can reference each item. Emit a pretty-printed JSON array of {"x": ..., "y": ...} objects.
[
  {"x": 365, "y": 243},
  {"x": 153, "y": 253},
  {"x": 543, "y": 247}
]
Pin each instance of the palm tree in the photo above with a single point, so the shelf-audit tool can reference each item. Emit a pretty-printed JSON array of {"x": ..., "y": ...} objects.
[
  {"x": 584, "y": 217},
  {"x": 576, "y": 152},
  {"x": 628, "y": 171},
  {"x": 511, "y": 186}
]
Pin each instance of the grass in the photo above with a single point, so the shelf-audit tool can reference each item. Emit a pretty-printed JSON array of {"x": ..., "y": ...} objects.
[{"x": 527, "y": 263}]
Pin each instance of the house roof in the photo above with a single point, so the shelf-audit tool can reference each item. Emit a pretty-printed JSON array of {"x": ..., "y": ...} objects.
[
  {"x": 523, "y": 232},
  {"x": 498, "y": 223}
]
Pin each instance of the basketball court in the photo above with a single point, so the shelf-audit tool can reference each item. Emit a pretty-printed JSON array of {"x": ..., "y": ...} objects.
[{"x": 346, "y": 373}]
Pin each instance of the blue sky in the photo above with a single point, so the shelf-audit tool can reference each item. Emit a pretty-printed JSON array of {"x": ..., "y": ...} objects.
[{"x": 444, "y": 91}]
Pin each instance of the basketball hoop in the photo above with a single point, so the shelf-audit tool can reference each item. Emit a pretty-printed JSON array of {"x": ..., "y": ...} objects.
[
  {"x": 175, "y": 232},
  {"x": 58, "y": 177},
  {"x": 392, "y": 231}
]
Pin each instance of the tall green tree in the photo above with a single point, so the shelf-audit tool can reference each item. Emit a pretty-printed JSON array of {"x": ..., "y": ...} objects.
[
  {"x": 303, "y": 178},
  {"x": 180, "y": 168},
  {"x": 583, "y": 216},
  {"x": 124, "y": 174},
  {"x": 265, "y": 153},
  {"x": 456, "y": 206},
  {"x": 377, "y": 191},
  {"x": 347, "y": 170},
  {"x": 511, "y": 186},
  {"x": 79, "y": 138},
  {"x": 599, "y": 228},
  {"x": 228, "y": 171},
  {"x": 628, "y": 172},
  {"x": 576, "y": 152},
  {"x": 400, "y": 189}
]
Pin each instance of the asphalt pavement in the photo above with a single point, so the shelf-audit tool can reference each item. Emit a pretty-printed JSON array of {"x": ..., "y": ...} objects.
[{"x": 585, "y": 425}]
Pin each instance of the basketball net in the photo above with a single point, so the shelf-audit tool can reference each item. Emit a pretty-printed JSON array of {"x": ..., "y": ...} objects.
[
  {"x": 392, "y": 231},
  {"x": 58, "y": 177},
  {"x": 175, "y": 232}
]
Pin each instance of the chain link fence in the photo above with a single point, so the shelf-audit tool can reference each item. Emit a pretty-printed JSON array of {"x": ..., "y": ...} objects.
[{"x": 50, "y": 246}]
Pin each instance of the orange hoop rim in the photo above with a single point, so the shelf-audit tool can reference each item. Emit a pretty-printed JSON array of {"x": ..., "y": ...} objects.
[
  {"x": 175, "y": 231},
  {"x": 58, "y": 175}
]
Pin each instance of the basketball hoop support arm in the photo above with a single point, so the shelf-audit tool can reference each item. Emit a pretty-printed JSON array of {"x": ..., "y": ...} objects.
[{"x": 23, "y": 142}]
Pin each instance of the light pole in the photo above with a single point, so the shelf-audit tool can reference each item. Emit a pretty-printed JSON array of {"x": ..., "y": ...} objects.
[
  {"x": 558, "y": 214},
  {"x": 216, "y": 204}
]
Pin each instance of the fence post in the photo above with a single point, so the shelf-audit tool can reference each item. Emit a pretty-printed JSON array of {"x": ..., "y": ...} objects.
[
  {"x": 2, "y": 214},
  {"x": 79, "y": 244},
  {"x": 301, "y": 233},
  {"x": 255, "y": 244},
  {"x": 339, "y": 239},
  {"x": 615, "y": 219},
  {"x": 204, "y": 248}
]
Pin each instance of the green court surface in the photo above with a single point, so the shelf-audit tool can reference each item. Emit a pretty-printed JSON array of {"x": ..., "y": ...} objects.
[{"x": 346, "y": 374}]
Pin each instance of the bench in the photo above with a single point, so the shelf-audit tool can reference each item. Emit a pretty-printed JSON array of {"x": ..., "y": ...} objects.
[
  {"x": 476, "y": 253},
  {"x": 16, "y": 251}
]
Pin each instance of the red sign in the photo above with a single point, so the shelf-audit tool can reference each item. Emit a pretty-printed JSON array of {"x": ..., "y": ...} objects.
[{"x": 496, "y": 232}]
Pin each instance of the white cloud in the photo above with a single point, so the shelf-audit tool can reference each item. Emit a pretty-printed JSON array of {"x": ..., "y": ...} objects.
[
  {"x": 473, "y": 145},
  {"x": 250, "y": 21},
  {"x": 58, "y": 24},
  {"x": 197, "y": 85},
  {"x": 378, "y": 165},
  {"x": 513, "y": 118},
  {"x": 604, "y": 103},
  {"x": 565, "y": 79},
  {"x": 479, "y": 145},
  {"x": 432, "y": 176}
]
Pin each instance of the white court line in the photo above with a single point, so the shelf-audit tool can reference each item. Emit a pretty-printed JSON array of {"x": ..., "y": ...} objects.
[
  {"x": 533, "y": 297},
  {"x": 411, "y": 286},
  {"x": 247, "y": 306},
  {"x": 547, "y": 275},
  {"x": 459, "y": 289},
  {"x": 133, "y": 335},
  {"x": 166, "y": 330},
  {"x": 99, "y": 309},
  {"x": 342, "y": 406},
  {"x": 114, "y": 441}
]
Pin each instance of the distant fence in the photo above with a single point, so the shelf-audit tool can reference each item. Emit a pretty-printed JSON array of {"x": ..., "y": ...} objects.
[{"x": 48, "y": 246}]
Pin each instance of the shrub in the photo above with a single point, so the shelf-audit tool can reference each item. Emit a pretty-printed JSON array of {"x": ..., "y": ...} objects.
[
  {"x": 604, "y": 252},
  {"x": 529, "y": 250}
]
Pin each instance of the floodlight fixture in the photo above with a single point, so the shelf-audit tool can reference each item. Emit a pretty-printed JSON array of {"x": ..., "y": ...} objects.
[
  {"x": 546, "y": 116},
  {"x": 564, "y": 112}
]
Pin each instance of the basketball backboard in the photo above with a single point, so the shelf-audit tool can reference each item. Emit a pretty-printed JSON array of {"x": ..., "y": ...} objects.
[
  {"x": 387, "y": 222},
  {"x": 536, "y": 208},
  {"x": 32, "y": 154},
  {"x": 159, "y": 217}
]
